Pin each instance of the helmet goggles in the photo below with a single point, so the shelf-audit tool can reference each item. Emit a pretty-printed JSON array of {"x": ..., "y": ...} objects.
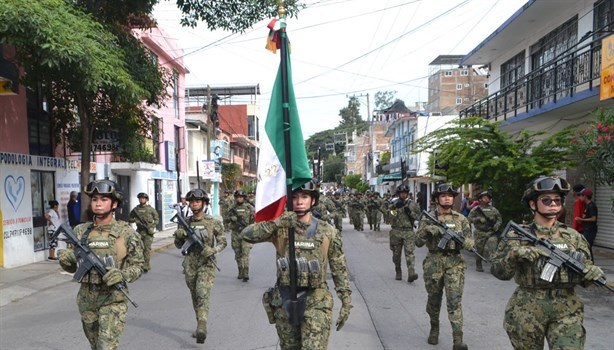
[
  {"x": 445, "y": 188},
  {"x": 196, "y": 194},
  {"x": 547, "y": 184},
  {"x": 100, "y": 186}
]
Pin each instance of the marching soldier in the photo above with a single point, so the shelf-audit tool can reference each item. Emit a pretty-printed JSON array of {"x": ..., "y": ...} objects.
[
  {"x": 445, "y": 268},
  {"x": 403, "y": 214},
  {"x": 199, "y": 266},
  {"x": 358, "y": 206},
  {"x": 540, "y": 309},
  {"x": 318, "y": 246},
  {"x": 338, "y": 211},
  {"x": 146, "y": 219},
  {"x": 103, "y": 308},
  {"x": 486, "y": 220},
  {"x": 240, "y": 214}
]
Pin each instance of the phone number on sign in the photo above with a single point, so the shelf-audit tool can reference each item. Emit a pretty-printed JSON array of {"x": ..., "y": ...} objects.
[{"x": 105, "y": 147}]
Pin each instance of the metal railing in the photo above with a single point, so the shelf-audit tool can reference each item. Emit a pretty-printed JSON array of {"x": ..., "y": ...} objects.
[{"x": 561, "y": 77}]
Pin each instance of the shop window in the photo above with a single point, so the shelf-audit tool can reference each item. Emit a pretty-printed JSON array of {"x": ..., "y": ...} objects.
[{"x": 43, "y": 190}]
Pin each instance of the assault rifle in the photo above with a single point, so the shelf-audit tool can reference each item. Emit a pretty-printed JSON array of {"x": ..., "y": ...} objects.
[
  {"x": 556, "y": 257},
  {"x": 142, "y": 222},
  {"x": 448, "y": 234},
  {"x": 192, "y": 241},
  {"x": 489, "y": 221},
  {"x": 86, "y": 259},
  {"x": 240, "y": 221}
]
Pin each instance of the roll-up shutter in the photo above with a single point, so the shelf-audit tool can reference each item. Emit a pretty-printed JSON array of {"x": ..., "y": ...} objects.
[{"x": 605, "y": 220}]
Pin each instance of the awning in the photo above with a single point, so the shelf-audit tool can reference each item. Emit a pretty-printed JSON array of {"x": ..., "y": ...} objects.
[{"x": 388, "y": 177}]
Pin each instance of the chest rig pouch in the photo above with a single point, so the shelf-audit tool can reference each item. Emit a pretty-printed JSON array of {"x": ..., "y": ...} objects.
[
  {"x": 311, "y": 250},
  {"x": 555, "y": 273},
  {"x": 107, "y": 246}
]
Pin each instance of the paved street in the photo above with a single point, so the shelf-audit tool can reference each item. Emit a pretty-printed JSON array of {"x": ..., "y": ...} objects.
[{"x": 387, "y": 314}]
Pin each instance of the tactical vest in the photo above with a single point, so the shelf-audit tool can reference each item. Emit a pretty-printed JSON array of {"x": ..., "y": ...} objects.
[
  {"x": 455, "y": 224},
  {"x": 104, "y": 240},
  {"x": 311, "y": 251},
  {"x": 203, "y": 229},
  {"x": 528, "y": 274}
]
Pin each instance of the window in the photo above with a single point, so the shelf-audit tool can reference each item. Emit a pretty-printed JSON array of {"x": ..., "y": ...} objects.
[
  {"x": 176, "y": 93},
  {"x": 43, "y": 190},
  {"x": 555, "y": 43},
  {"x": 603, "y": 17},
  {"x": 252, "y": 127},
  {"x": 448, "y": 73},
  {"x": 39, "y": 122},
  {"x": 485, "y": 85},
  {"x": 464, "y": 72},
  {"x": 459, "y": 100},
  {"x": 459, "y": 86},
  {"x": 512, "y": 70}
]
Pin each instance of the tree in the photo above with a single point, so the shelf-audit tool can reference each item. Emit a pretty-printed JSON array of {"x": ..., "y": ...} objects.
[
  {"x": 231, "y": 175},
  {"x": 354, "y": 181},
  {"x": 333, "y": 166},
  {"x": 350, "y": 115},
  {"x": 477, "y": 151},
  {"x": 593, "y": 147},
  {"x": 232, "y": 15},
  {"x": 384, "y": 99}
]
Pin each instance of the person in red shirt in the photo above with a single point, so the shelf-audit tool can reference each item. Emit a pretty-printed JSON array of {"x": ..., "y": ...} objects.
[{"x": 578, "y": 208}]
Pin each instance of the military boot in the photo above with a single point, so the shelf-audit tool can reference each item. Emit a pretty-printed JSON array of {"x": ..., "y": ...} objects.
[
  {"x": 399, "y": 275},
  {"x": 240, "y": 275},
  {"x": 458, "y": 342},
  {"x": 201, "y": 331},
  {"x": 245, "y": 274},
  {"x": 478, "y": 266},
  {"x": 433, "y": 338},
  {"x": 411, "y": 276}
]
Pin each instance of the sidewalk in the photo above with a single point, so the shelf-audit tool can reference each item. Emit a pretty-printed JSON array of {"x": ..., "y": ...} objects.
[{"x": 20, "y": 282}]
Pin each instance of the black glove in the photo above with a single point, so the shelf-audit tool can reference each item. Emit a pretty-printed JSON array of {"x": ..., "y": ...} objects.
[{"x": 400, "y": 203}]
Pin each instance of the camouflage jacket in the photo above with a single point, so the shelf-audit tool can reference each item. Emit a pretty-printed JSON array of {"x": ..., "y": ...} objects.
[
  {"x": 405, "y": 216},
  {"x": 208, "y": 229},
  {"x": 147, "y": 213},
  {"x": 485, "y": 219},
  {"x": 430, "y": 234},
  {"x": 239, "y": 216}
]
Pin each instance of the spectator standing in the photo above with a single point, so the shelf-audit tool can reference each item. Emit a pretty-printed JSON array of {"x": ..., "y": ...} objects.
[
  {"x": 53, "y": 223},
  {"x": 71, "y": 208},
  {"x": 589, "y": 218},
  {"x": 464, "y": 206},
  {"x": 578, "y": 208},
  {"x": 183, "y": 207}
]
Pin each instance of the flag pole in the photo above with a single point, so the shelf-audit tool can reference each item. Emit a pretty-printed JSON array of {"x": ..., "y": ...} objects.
[{"x": 293, "y": 311}]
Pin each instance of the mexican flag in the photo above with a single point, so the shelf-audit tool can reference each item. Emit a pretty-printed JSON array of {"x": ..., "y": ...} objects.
[{"x": 271, "y": 193}]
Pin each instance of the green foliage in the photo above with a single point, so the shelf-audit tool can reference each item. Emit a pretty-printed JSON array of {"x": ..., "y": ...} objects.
[
  {"x": 384, "y": 158},
  {"x": 355, "y": 182},
  {"x": 384, "y": 99},
  {"x": 477, "y": 151},
  {"x": 332, "y": 167},
  {"x": 350, "y": 115},
  {"x": 231, "y": 175},
  {"x": 232, "y": 15}
]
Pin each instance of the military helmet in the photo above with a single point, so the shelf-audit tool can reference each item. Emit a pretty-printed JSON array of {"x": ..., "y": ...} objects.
[
  {"x": 143, "y": 195},
  {"x": 196, "y": 194},
  {"x": 444, "y": 188},
  {"x": 484, "y": 193},
  {"x": 545, "y": 184},
  {"x": 311, "y": 188},
  {"x": 402, "y": 188},
  {"x": 240, "y": 193},
  {"x": 104, "y": 187}
]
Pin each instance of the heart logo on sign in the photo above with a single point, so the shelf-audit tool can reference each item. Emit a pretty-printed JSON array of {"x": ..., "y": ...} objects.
[{"x": 14, "y": 190}]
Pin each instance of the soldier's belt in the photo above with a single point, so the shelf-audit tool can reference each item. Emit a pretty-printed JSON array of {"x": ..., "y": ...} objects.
[
  {"x": 444, "y": 252},
  {"x": 549, "y": 292}
]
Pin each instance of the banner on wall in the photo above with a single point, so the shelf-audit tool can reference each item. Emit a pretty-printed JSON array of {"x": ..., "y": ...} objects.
[{"x": 16, "y": 206}]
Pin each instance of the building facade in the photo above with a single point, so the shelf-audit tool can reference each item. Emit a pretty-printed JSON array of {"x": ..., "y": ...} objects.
[{"x": 546, "y": 75}]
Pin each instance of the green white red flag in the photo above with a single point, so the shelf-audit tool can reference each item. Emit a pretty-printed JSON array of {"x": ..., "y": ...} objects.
[{"x": 271, "y": 192}]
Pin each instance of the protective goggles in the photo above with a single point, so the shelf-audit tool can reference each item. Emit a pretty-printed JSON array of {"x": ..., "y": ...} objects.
[
  {"x": 99, "y": 186},
  {"x": 196, "y": 194},
  {"x": 445, "y": 188},
  {"x": 551, "y": 184}
]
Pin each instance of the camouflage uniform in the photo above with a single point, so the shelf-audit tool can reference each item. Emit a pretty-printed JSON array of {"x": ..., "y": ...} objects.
[
  {"x": 444, "y": 269},
  {"x": 199, "y": 267},
  {"x": 539, "y": 309},
  {"x": 150, "y": 215},
  {"x": 372, "y": 207},
  {"x": 358, "y": 206},
  {"x": 402, "y": 236},
  {"x": 486, "y": 221},
  {"x": 239, "y": 216},
  {"x": 338, "y": 212},
  {"x": 103, "y": 309},
  {"x": 324, "y": 209},
  {"x": 320, "y": 245},
  {"x": 385, "y": 203}
]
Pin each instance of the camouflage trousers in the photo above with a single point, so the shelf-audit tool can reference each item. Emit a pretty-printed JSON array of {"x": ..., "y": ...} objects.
[
  {"x": 337, "y": 220},
  {"x": 314, "y": 330},
  {"x": 533, "y": 315},
  {"x": 103, "y": 315},
  {"x": 199, "y": 277},
  {"x": 147, "y": 240},
  {"x": 358, "y": 219},
  {"x": 374, "y": 218},
  {"x": 445, "y": 272},
  {"x": 242, "y": 250},
  {"x": 403, "y": 239}
]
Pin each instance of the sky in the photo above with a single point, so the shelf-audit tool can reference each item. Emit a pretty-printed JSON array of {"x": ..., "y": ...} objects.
[{"x": 340, "y": 48}]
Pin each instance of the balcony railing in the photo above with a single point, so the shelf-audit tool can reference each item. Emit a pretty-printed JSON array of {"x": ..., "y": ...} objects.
[{"x": 562, "y": 77}]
